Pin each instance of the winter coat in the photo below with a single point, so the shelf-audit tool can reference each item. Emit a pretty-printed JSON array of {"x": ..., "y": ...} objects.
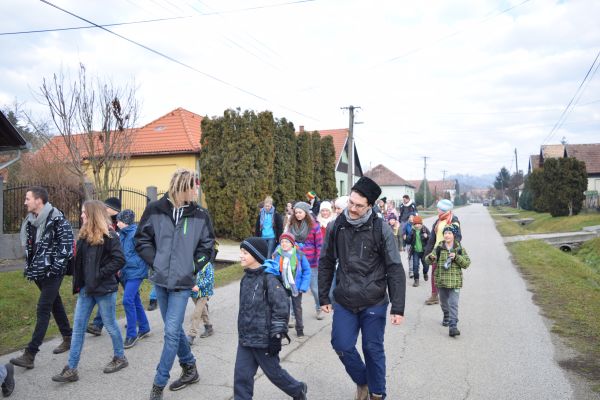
[
  {"x": 406, "y": 210},
  {"x": 205, "y": 280},
  {"x": 312, "y": 245},
  {"x": 433, "y": 240},
  {"x": 450, "y": 278},
  {"x": 175, "y": 251},
  {"x": 135, "y": 266},
  {"x": 302, "y": 277},
  {"x": 411, "y": 239},
  {"x": 48, "y": 257},
  {"x": 264, "y": 312},
  {"x": 277, "y": 226},
  {"x": 367, "y": 270},
  {"x": 96, "y": 266}
]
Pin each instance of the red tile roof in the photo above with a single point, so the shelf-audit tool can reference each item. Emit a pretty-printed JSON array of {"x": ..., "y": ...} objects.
[
  {"x": 435, "y": 186},
  {"x": 588, "y": 153},
  {"x": 340, "y": 136},
  {"x": 553, "y": 151},
  {"x": 385, "y": 177}
]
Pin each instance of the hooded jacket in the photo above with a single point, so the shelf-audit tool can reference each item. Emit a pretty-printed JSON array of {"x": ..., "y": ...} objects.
[
  {"x": 264, "y": 311},
  {"x": 135, "y": 267},
  {"x": 406, "y": 210},
  {"x": 175, "y": 247}
]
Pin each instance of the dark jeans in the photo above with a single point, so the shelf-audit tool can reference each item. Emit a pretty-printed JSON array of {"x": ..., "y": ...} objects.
[
  {"x": 49, "y": 302},
  {"x": 270, "y": 246},
  {"x": 247, "y": 361},
  {"x": 370, "y": 322},
  {"x": 297, "y": 307},
  {"x": 416, "y": 259}
]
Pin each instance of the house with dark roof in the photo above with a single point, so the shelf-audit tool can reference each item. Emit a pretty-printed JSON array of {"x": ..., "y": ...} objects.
[
  {"x": 12, "y": 144},
  {"x": 439, "y": 188},
  {"x": 393, "y": 187}
]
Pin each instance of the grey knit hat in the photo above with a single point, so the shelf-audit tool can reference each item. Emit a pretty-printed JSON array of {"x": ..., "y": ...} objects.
[{"x": 303, "y": 206}]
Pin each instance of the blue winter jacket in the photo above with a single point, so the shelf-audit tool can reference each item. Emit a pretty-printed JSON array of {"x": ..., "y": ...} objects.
[
  {"x": 302, "y": 277},
  {"x": 135, "y": 267}
]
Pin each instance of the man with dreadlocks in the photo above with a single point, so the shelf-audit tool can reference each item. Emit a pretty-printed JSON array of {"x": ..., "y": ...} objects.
[{"x": 174, "y": 234}]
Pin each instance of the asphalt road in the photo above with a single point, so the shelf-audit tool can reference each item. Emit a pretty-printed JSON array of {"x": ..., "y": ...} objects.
[{"x": 504, "y": 351}]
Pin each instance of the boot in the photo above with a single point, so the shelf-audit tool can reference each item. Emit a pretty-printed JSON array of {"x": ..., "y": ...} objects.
[
  {"x": 151, "y": 307},
  {"x": 300, "y": 332},
  {"x": 157, "y": 392},
  {"x": 302, "y": 395},
  {"x": 25, "y": 360},
  {"x": 376, "y": 396},
  {"x": 116, "y": 364},
  {"x": 362, "y": 392},
  {"x": 446, "y": 320},
  {"x": 67, "y": 375},
  {"x": 453, "y": 331},
  {"x": 426, "y": 277},
  {"x": 93, "y": 329},
  {"x": 64, "y": 346},
  {"x": 416, "y": 283},
  {"x": 189, "y": 375},
  {"x": 9, "y": 382},
  {"x": 432, "y": 300},
  {"x": 208, "y": 331}
]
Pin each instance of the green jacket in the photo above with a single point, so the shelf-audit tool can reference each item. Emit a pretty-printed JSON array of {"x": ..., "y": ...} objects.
[{"x": 450, "y": 278}]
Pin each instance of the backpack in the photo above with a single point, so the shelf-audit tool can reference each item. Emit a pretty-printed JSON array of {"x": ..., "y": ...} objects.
[{"x": 377, "y": 232}]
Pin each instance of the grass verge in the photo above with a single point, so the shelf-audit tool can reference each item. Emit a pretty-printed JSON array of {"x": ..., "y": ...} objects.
[
  {"x": 19, "y": 298},
  {"x": 567, "y": 290},
  {"x": 544, "y": 222}
]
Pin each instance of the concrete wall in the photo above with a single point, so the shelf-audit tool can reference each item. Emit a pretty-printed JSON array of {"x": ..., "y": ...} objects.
[{"x": 10, "y": 246}]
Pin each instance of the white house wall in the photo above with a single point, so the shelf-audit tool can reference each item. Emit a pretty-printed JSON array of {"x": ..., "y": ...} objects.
[{"x": 396, "y": 192}]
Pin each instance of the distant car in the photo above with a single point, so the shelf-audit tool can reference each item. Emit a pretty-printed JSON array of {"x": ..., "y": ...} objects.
[{"x": 486, "y": 203}]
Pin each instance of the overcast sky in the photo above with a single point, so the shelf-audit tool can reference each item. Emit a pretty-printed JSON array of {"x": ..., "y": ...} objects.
[{"x": 463, "y": 82}]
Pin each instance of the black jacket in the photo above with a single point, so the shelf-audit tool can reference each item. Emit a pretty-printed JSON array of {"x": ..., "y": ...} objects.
[
  {"x": 367, "y": 270},
  {"x": 433, "y": 236},
  {"x": 277, "y": 226},
  {"x": 96, "y": 266},
  {"x": 406, "y": 210},
  {"x": 412, "y": 238},
  {"x": 263, "y": 312}
]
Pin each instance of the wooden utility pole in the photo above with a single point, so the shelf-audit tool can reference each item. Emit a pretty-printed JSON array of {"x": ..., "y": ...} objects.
[
  {"x": 350, "y": 147},
  {"x": 425, "y": 183}
]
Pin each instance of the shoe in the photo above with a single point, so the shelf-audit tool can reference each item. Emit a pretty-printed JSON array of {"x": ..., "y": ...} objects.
[
  {"x": 189, "y": 375},
  {"x": 292, "y": 322},
  {"x": 153, "y": 305},
  {"x": 67, "y": 375},
  {"x": 130, "y": 342},
  {"x": 426, "y": 277},
  {"x": 432, "y": 300},
  {"x": 376, "y": 396},
  {"x": 362, "y": 392},
  {"x": 446, "y": 320},
  {"x": 302, "y": 395},
  {"x": 320, "y": 315},
  {"x": 116, "y": 364},
  {"x": 299, "y": 332},
  {"x": 94, "y": 330},
  {"x": 25, "y": 360},
  {"x": 208, "y": 331},
  {"x": 143, "y": 335},
  {"x": 453, "y": 331},
  {"x": 416, "y": 283},
  {"x": 9, "y": 382},
  {"x": 191, "y": 339},
  {"x": 157, "y": 392},
  {"x": 64, "y": 346},
  {"x": 410, "y": 274}
]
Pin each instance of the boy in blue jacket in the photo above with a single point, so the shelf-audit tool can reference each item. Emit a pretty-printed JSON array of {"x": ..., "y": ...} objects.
[
  {"x": 295, "y": 271},
  {"x": 264, "y": 303},
  {"x": 132, "y": 275}
]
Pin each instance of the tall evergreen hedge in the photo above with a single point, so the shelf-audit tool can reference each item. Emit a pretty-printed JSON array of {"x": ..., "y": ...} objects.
[
  {"x": 285, "y": 164},
  {"x": 327, "y": 172}
]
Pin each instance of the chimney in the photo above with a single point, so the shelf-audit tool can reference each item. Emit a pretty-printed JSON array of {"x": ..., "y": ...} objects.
[{"x": 301, "y": 127}]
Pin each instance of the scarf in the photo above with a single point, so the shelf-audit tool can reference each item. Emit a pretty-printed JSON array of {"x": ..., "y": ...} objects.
[
  {"x": 263, "y": 213},
  {"x": 300, "y": 232},
  {"x": 359, "y": 221},
  {"x": 445, "y": 216},
  {"x": 37, "y": 221},
  {"x": 325, "y": 221},
  {"x": 287, "y": 266}
]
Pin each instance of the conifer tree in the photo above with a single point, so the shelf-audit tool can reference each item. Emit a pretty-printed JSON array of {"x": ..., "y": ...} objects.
[
  {"x": 304, "y": 165},
  {"x": 327, "y": 173},
  {"x": 317, "y": 165},
  {"x": 285, "y": 164}
]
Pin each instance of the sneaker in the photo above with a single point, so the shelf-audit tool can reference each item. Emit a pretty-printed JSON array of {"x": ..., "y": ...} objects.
[
  {"x": 130, "y": 342},
  {"x": 416, "y": 283},
  {"x": 376, "y": 396},
  {"x": 153, "y": 305},
  {"x": 9, "y": 382},
  {"x": 143, "y": 335},
  {"x": 319, "y": 314},
  {"x": 292, "y": 322},
  {"x": 410, "y": 274},
  {"x": 299, "y": 332},
  {"x": 445, "y": 322},
  {"x": 453, "y": 331},
  {"x": 64, "y": 346},
  {"x": 302, "y": 395},
  {"x": 191, "y": 339},
  {"x": 426, "y": 277},
  {"x": 116, "y": 364},
  {"x": 67, "y": 375},
  {"x": 157, "y": 392},
  {"x": 362, "y": 392},
  {"x": 189, "y": 375},
  {"x": 94, "y": 330},
  {"x": 25, "y": 360}
]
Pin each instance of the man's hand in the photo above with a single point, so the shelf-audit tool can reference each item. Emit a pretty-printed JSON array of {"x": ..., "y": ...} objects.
[
  {"x": 396, "y": 319},
  {"x": 195, "y": 289},
  {"x": 452, "y": 255},
  {"x": 326, "y": 308}
]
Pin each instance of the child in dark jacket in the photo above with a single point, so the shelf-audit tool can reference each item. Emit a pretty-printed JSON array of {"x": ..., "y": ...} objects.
[
  {"x": 264, "y": 302},
  {"x": 417, "y": 240},
  {"x": 201, "y": 293},
  {"x": 132, "y": 276},
  {"x": 295, "y": 270}
]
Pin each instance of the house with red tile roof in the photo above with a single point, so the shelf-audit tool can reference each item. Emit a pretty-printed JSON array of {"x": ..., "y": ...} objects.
[
  {"x": 438, "y": 188},
  {"x": 393, "y": 187},
  {"x": 340, "y": 143}
]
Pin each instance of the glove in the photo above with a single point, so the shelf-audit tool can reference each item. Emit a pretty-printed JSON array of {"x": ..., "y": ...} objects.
[{"x": 274, "y": 345}]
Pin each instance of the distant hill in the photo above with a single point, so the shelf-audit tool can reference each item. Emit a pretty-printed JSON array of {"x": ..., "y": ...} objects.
[{"x": 468, "y": 182}]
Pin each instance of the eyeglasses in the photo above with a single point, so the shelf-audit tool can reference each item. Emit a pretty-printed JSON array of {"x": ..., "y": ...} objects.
[{"x": 359, "y": 207}]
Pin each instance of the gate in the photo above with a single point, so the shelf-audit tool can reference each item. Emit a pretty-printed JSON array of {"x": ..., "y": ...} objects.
[{"x": 132, "y": 199}]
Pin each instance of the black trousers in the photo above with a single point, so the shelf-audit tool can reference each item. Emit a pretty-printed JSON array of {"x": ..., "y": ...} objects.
[
  {"x": 49, "y": 302},
  {"x": 247, "y": 361}
]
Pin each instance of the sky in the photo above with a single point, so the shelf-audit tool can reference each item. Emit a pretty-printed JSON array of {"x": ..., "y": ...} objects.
[{"x": 463, "y": 82}]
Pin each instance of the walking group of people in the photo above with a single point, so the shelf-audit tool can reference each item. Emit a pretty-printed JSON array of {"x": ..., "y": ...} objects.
[{"x": 347, "y": 252}]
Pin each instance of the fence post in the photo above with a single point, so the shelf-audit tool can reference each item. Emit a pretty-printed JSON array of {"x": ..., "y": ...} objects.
[
  {"x": 152, "y": 193},
  {"x": 1, "y": 204}
]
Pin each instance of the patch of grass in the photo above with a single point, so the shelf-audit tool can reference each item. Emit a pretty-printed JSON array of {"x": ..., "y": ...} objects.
[
  {"x": 589, "y": 253},
  {"x": 19, "y": 299},
  {"x": 544, "y": 222},
  {"x": 568, "y": 292}
]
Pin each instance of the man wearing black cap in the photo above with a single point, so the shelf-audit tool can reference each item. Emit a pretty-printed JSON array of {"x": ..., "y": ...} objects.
[{"x": 370, "y": 275}]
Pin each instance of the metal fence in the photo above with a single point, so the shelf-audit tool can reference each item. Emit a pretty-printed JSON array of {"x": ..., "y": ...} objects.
[{"x": 132, "y": 199}]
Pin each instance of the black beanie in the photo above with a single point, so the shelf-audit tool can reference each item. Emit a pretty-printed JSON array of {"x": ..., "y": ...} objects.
[
  {"x": 113, "y": 203},
  {"x": 367, "y": 188},
  {"x": 257, "y": 247}
]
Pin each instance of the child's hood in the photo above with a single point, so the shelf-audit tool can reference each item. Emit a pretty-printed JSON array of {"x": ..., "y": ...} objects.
[{"x": 271, "y": 267}]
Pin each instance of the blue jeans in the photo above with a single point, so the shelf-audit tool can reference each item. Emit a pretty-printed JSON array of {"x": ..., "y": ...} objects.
[
  {"x": 416, "y": 259},
  {"x": 172, "y": 309},
  {"x": 98, "y": 318},
  {"x": 371, "y": 323},
  {"x": 134, "y": 311},
  {"x": 314, "y": 286},
  {"x": 3, "y": 373},
  {"x": 270, "y": 246},
  {"x": 83, "y": 309},
  {"x": 152, "y": 293}
]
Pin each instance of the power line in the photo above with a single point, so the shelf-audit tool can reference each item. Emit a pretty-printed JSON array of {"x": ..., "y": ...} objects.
[
  {"x": 163, "y": 55},
  {"x": 259, "y": 7}
]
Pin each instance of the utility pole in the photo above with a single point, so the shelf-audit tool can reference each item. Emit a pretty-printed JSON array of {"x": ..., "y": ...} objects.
[
  {"x": 350, "y": 147},
  {"x": 444, "y": 175},
  {"x": 425, "y": 182},
  {"x": 516, "y": 161}
]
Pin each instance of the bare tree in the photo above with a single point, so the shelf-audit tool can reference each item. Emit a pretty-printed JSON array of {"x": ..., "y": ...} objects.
[{"x": 95, "y": 120}]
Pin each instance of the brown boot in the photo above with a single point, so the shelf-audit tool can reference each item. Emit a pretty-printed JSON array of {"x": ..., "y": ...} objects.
[
  {"x": 25, "y": 360},
  {"x": 376, "y": 397},
  {"x": 432, "y": 300},
  {"x": 64, "y": 346},
  {"x": 362, "y": 392},
  {"x": 208, "y": 331}
]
